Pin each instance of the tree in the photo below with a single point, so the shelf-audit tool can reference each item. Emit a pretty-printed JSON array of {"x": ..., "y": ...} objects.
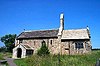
[
  {"x": 3, "y": 49},
  {"x": 9, "y": 41},
  {"x": 43, "y": 50}
]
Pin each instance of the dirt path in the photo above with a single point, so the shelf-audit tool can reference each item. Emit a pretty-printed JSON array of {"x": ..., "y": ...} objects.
[{"x": 10, "y": 61}]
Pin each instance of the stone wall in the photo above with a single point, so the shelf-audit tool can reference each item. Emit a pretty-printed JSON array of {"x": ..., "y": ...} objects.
[
  {"x": 36, "y": 44},
  {"x": 66, "y": 47}
]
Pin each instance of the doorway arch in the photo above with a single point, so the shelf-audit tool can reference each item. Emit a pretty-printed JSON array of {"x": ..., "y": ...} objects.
[{"x": 19, "y": 52}]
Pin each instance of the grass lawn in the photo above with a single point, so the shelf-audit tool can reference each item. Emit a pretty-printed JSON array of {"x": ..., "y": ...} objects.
[{"x": 65, "y": 60}]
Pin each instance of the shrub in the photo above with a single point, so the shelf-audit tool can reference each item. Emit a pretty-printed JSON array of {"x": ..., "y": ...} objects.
[{"x": 43, "y": 50}]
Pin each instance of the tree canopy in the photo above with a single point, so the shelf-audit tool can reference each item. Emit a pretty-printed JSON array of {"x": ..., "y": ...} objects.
[{"x": 9, "y": 41}]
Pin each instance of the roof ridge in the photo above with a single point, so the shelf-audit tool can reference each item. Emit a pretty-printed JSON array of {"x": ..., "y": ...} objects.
[
  {"x": 78, "y": 29},
  {"x": 39, "y": 30}
]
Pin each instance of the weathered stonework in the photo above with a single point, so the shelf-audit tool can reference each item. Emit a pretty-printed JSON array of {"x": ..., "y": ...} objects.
[{"x": 69, "y": 42}]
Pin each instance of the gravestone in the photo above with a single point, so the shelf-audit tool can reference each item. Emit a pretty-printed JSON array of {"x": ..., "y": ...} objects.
[
  {"x": 98, "y": 62},
  {"x": 3, "y": 61}
]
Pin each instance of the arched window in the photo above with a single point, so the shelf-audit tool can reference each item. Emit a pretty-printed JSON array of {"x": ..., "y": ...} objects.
[
  {"x": 34, "y": 43},
  {"x": 43, "y": 43},
  {"x": 51, "y": 42}
]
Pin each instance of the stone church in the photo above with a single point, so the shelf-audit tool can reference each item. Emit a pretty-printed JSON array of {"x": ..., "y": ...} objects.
[{"x": 69, "y": 42}]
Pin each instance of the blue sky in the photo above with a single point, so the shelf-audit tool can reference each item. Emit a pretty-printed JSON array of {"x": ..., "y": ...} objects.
[{"x": 16, "y": 15}]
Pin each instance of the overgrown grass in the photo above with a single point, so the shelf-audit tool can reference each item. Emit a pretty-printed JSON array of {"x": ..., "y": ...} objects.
[
  {"x": 65, "y": 60},
  {"x": 5, "y": 54},
  {"x": 21, "y": 62},
  {"x": 1, "y": 56}
]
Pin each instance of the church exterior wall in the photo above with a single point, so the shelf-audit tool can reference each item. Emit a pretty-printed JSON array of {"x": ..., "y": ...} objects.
[
  {"x": 36, "y": 44},
  {"x": 69, "y": 47},
  {"x": 66, "y": 46}
]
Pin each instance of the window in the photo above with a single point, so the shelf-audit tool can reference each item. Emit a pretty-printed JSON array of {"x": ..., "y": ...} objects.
[
  {"x": 66, "y": 48},
  {"x": 47, "y": 42},
  {"x": 78, "y": 45},
  {"x": 51, "y": 42},
  {"x": 43, "y": 43},
  {"x": 20, "y": 41},
  {"x": 29, "y": 52},
  {"x": 34, "y": 43}
]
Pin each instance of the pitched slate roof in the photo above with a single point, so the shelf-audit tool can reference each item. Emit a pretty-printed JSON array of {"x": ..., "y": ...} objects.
[
  {"x": 38, "y": 34},
  {"x": 75, "y": 34}
]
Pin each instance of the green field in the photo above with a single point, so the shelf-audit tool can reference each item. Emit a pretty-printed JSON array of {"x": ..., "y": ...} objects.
[{"x": 65, "y": 60}]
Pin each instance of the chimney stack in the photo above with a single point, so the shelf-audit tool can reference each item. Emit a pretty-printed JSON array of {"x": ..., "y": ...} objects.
[
  {"x": 61, "y": 28},
  {"x": 62, "y": 21}
]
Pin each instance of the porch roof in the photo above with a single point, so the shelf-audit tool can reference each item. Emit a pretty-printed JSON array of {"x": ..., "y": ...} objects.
[{"x": 26, "y": 46}]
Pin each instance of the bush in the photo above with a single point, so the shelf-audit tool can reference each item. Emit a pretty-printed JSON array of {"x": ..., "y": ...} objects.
[{"x": 43, "y": 50}]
